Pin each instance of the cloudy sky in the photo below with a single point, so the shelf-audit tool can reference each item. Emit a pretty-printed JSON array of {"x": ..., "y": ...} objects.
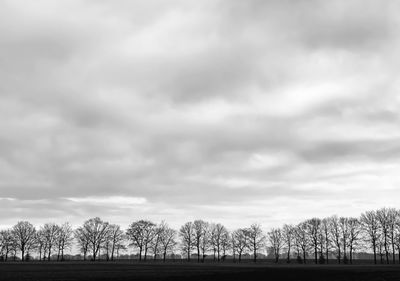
[{"x": 231, "y": 111}]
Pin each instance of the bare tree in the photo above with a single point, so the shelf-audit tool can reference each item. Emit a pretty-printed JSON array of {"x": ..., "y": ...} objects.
[
  {"x": 325, "y": 231},
  {"x": 354, "y": 229},
  {"x": 313, "y": 230},
  {"x": 82, "y": 236},
  {"x": 49, "y": 233},
  {"x": 114, "y": 236},
  {"x": 397, "y": 238},
  {"x": 65, "y": 239},
  {"x": 225, "y": 243},
  {"x": 205, "y": 242},
  {"x": 381, "y": 248},
  {"x": 41, "y": 244},
  {"x": 256, "y": 239},
  {"x": 167, "y": 239},
  {"x": 344, "y": 230},
  {"x": 6, "y": 241},
  {"x": 335, "y": 232},
  {"x": 156, "y": 243},
  {"x": 186, "y": 233},
  {"x": 24, "y": 233},
  {"x": 393, "y": 218},
  {"x": 276, "y": 238},
  {"x": 288, "y": 233},
  {"x": 383, "y": 216},
  {"x": 117, "y": 237},
  {"x": 141, "y": 233},
  {"x": 218, "y": 235},
  {"x": 199, "y": 227},
  {"x": 95, "y": 230},
  {"x": 149, "y": 232},
  {"x": 302, "y": 239},
  {"x": 370, "y": 225},
  {"x": 240, "y": 241}
]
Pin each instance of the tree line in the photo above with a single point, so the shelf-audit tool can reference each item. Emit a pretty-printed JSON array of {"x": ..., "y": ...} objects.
[{"x": 331, "y": 239}]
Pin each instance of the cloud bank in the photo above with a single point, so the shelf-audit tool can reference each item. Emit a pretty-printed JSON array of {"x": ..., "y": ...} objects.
[{"x": 257, "y": 111}]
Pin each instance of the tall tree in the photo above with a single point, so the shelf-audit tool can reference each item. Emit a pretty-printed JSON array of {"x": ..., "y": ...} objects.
[
  {"x": 6, "y": 242},
  {"x": 114, "y": 236},
  {"x": 205, "y": 241},
  {"x": 156, "y": 243},
  {"x": 218, "y": 235},
  {"x": 24, "y": 234},
  {"x": 199, "y": 231},
  {"x": 275, "y": 238},
  {"x": 354, "y": 232},
  {"x": 149, "y": 233},
  {"x": 313, "y": 230},
  {"x": 50, "y": 232},
  {"x": 82, "y": 236},
  {"x": 383, "y": 216},
  {"x": 225, "y": 243},
  {"x": 117, "y": 237},
  {"x": 335, "y": 232},
  {"x": 256, "y": 239},
  {"x": 186, "y": 233},
  {"x": 167, "y": 239},
  {"x": 95, "y": 230},
  {"x": 302, "y": 239},
  {"x": 344, "y": 231},
  {"x": 141, "y": 233},
  {"x": 288, "y": 233},
  {"x": 65, "y": 239},
  {"x": 240, "y": 241},
  {"x": 393, "y": 218},
  {"x": 325, "y": 230},
  {"x": 41, "y": 244},
  {"x": 370, "y": 226}
]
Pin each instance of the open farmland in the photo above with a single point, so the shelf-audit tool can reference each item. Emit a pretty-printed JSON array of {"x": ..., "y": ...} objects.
[{"x": 187, "y": 271}]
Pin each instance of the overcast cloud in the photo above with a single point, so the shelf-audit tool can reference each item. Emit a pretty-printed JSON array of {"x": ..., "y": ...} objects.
[{"x": 230, "y": 111}]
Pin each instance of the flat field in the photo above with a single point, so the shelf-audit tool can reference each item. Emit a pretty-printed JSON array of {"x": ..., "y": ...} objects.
[{"x": 46, "y": 271}]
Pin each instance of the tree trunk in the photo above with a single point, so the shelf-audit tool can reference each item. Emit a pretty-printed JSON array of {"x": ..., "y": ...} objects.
[
  {"x": 316, "y": 254},
  {"x": 327, "y": 255},
  {"x": 386, "y": 250},
  {"x": 351, "y": 254},
  {"x": 398, "y": 250},
  {"x": 374, "y": 246},
  {"x": 59, "y": 252}
]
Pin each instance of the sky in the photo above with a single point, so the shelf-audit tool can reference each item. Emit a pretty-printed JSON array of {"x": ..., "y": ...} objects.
[{"x": 230, "y": 111}]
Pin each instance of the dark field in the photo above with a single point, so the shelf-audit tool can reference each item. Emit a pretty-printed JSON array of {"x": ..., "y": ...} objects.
[{"x": 185, "y": 271}]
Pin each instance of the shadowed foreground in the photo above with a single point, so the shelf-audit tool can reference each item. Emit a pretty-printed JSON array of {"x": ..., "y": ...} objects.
[{"x": 178, "y": 271}]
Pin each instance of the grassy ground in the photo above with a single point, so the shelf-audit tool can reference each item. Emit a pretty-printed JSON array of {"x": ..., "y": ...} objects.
[{"x": 183, "y": 271}]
